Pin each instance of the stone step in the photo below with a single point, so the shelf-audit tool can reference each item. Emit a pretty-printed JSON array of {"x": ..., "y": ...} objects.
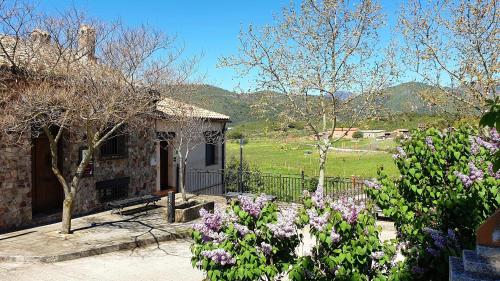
[
  {"x": 480, "y": 265},
  {"x": 458, "y": 273},
  {"x": 488, "y": 252}
]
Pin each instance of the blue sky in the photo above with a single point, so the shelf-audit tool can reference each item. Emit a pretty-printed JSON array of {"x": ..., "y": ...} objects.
[{"x": 208, "y": 27}]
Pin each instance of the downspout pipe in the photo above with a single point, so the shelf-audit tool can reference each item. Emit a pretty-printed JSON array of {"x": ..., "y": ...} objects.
[{"x": 223, "y": 162}]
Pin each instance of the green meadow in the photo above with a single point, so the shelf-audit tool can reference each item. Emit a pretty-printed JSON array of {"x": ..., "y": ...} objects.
[{"x": 291, "y": 156}]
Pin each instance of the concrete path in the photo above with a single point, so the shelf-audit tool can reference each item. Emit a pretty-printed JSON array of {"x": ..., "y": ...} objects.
[
  {"x": 169, "y": 261},
  {"x": 93, "y": 235}
]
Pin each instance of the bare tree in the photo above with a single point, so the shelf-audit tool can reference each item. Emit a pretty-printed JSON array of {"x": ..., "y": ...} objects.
[
  {"x": 189, "y": 126},
  {"x": 326, "y": 62},
  {"x": 453, "y": 45},
  {"x": 74, "y": 78}
]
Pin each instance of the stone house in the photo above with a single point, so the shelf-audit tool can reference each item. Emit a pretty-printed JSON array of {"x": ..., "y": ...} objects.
[{"x": 124, "y": 166}]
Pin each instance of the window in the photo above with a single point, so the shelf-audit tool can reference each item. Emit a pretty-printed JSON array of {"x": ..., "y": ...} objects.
[
  {"x": 211, "y": 141},
  {"x": 210, "y": 154},
  {"x": 115, "y": 147},
  {"x": 89, "y": 170}
]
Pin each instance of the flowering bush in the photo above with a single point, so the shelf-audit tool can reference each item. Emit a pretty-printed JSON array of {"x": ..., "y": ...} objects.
[
  {"x": 447, "y": 188},
  {"x": 251, "y": 240},
  {"x": 347, "y": 245}
]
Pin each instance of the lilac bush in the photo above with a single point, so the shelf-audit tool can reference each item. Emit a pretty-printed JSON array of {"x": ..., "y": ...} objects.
[
  {"x": 250, "y": 240},
  {"x": 448, "y": 187},
  {"x": 347, "y": 244}
]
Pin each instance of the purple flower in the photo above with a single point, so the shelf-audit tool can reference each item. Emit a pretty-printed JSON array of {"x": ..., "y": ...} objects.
[
  {"x": 494, "y": 135},
  {"x": 253, "y": 207},
  {"x": 219, "y": 256},
  {"x": 318, "y": 198},
  {"x": 430, "y": 143},
  {"x": 266, "y": 248},
  {"x": 242, "y": 229},
  {"x": 474, "y": 147},
  {"x": 231, "y": 216},
  {"x": 210, "y": 225},
  {"x": 372, "y": 184},
  {"x": 466, "y": 181},
  {"x": 475, "y": 175},
  {"x": 285, "y": 224},
  {"x": 317, "y": 221},
  {"x": 335, "y": 236},
  {"x": 437, "y": 237},
  {"x": 492, "y": 173},
  {"x": 401, "y": 153},
  {"x": 492, "y": 146},
  {"x": 348, "y": 209}
]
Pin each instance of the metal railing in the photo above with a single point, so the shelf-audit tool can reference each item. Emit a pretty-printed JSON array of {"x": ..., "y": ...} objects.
[{"x": 288, "y": 188}]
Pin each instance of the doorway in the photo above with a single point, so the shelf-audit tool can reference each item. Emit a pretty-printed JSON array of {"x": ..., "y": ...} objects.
[
  {"x": 164, "y": 165},
  {"x": 47, "y": 192}
]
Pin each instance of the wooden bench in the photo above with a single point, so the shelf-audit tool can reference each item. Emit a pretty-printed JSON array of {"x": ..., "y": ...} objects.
[
  {"x": 118, "y": 205},
  {"x": 234, "y": 195}
]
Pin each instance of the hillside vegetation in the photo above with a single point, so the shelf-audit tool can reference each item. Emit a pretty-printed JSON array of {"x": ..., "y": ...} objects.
[{"x": 257, "y": 114}]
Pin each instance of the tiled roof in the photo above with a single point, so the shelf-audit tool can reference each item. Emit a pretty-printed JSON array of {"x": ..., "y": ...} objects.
[{"x": 178, "y": 108}]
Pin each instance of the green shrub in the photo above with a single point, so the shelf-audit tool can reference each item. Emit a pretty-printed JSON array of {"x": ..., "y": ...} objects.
[
  {"x": 357, "y": 135},
  {"x": 446, "y": 190},
  {"x": 234, "y": 134}
]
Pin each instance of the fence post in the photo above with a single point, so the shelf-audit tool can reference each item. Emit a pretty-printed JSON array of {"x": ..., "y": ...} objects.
[
  {"x": 302, "y": 181},
  {"x": 240, "y": 177},
  {"x": 354, "y": 191},
  {"x": 171, "y": 207}
]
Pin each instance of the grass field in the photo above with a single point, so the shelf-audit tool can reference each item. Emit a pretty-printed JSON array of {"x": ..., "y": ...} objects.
[{"x": 296, "y": 155}]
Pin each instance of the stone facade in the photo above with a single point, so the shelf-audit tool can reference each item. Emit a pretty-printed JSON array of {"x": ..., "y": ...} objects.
[
  {"x": 141, "y": 166},
  {"x": 15, "y": 186},
  {"x": 136, "y": 166},
  {"x": 16, "y": 177}
]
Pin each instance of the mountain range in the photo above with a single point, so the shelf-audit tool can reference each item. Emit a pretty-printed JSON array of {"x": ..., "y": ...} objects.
[{"x": 402, "y": 98}]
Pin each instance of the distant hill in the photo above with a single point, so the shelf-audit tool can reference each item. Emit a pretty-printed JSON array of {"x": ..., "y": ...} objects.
[
  {"x": 402, "y": 98},
  {"x": 406, "y": 98}
]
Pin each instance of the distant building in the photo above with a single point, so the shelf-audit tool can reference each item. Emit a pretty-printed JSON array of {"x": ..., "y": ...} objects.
[
  {"x": 342, "y": 132},
  {"x": 401, "y": 133},
  {"x": 373, "y": 133},
  {"x": 348, "y": 132}
]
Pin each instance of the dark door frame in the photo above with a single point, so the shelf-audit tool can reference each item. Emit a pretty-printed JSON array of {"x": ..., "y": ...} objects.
[
  {"x": 34, "y": 208},
  {"x": 164, "y": 165}
]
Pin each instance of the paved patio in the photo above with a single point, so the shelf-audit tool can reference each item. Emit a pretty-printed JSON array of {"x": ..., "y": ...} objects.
[
  {"x": 168, "y": 261},
  {"x": 94, "y": 234}
]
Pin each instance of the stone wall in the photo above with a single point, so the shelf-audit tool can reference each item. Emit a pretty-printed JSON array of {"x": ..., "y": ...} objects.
[
  {"x": 15, "y": 186},
  {"x": 136, "y": 166},
  {"x": 16, "y": 177}
]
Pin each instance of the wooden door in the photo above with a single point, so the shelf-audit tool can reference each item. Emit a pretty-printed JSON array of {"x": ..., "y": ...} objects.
[
  {"x": 163, "y": 165},
  {"x": 47, "y": 191}
]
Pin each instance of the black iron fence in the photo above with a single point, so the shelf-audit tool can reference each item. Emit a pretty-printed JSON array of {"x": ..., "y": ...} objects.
[{"x": 287, "y": 188}]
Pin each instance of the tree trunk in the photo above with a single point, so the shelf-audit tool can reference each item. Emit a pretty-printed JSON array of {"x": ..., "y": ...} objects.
[
  {"x": 323, "y": 152},
  {"x": 182, "y": 167},
  {"x": 67, "y": 213}
]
